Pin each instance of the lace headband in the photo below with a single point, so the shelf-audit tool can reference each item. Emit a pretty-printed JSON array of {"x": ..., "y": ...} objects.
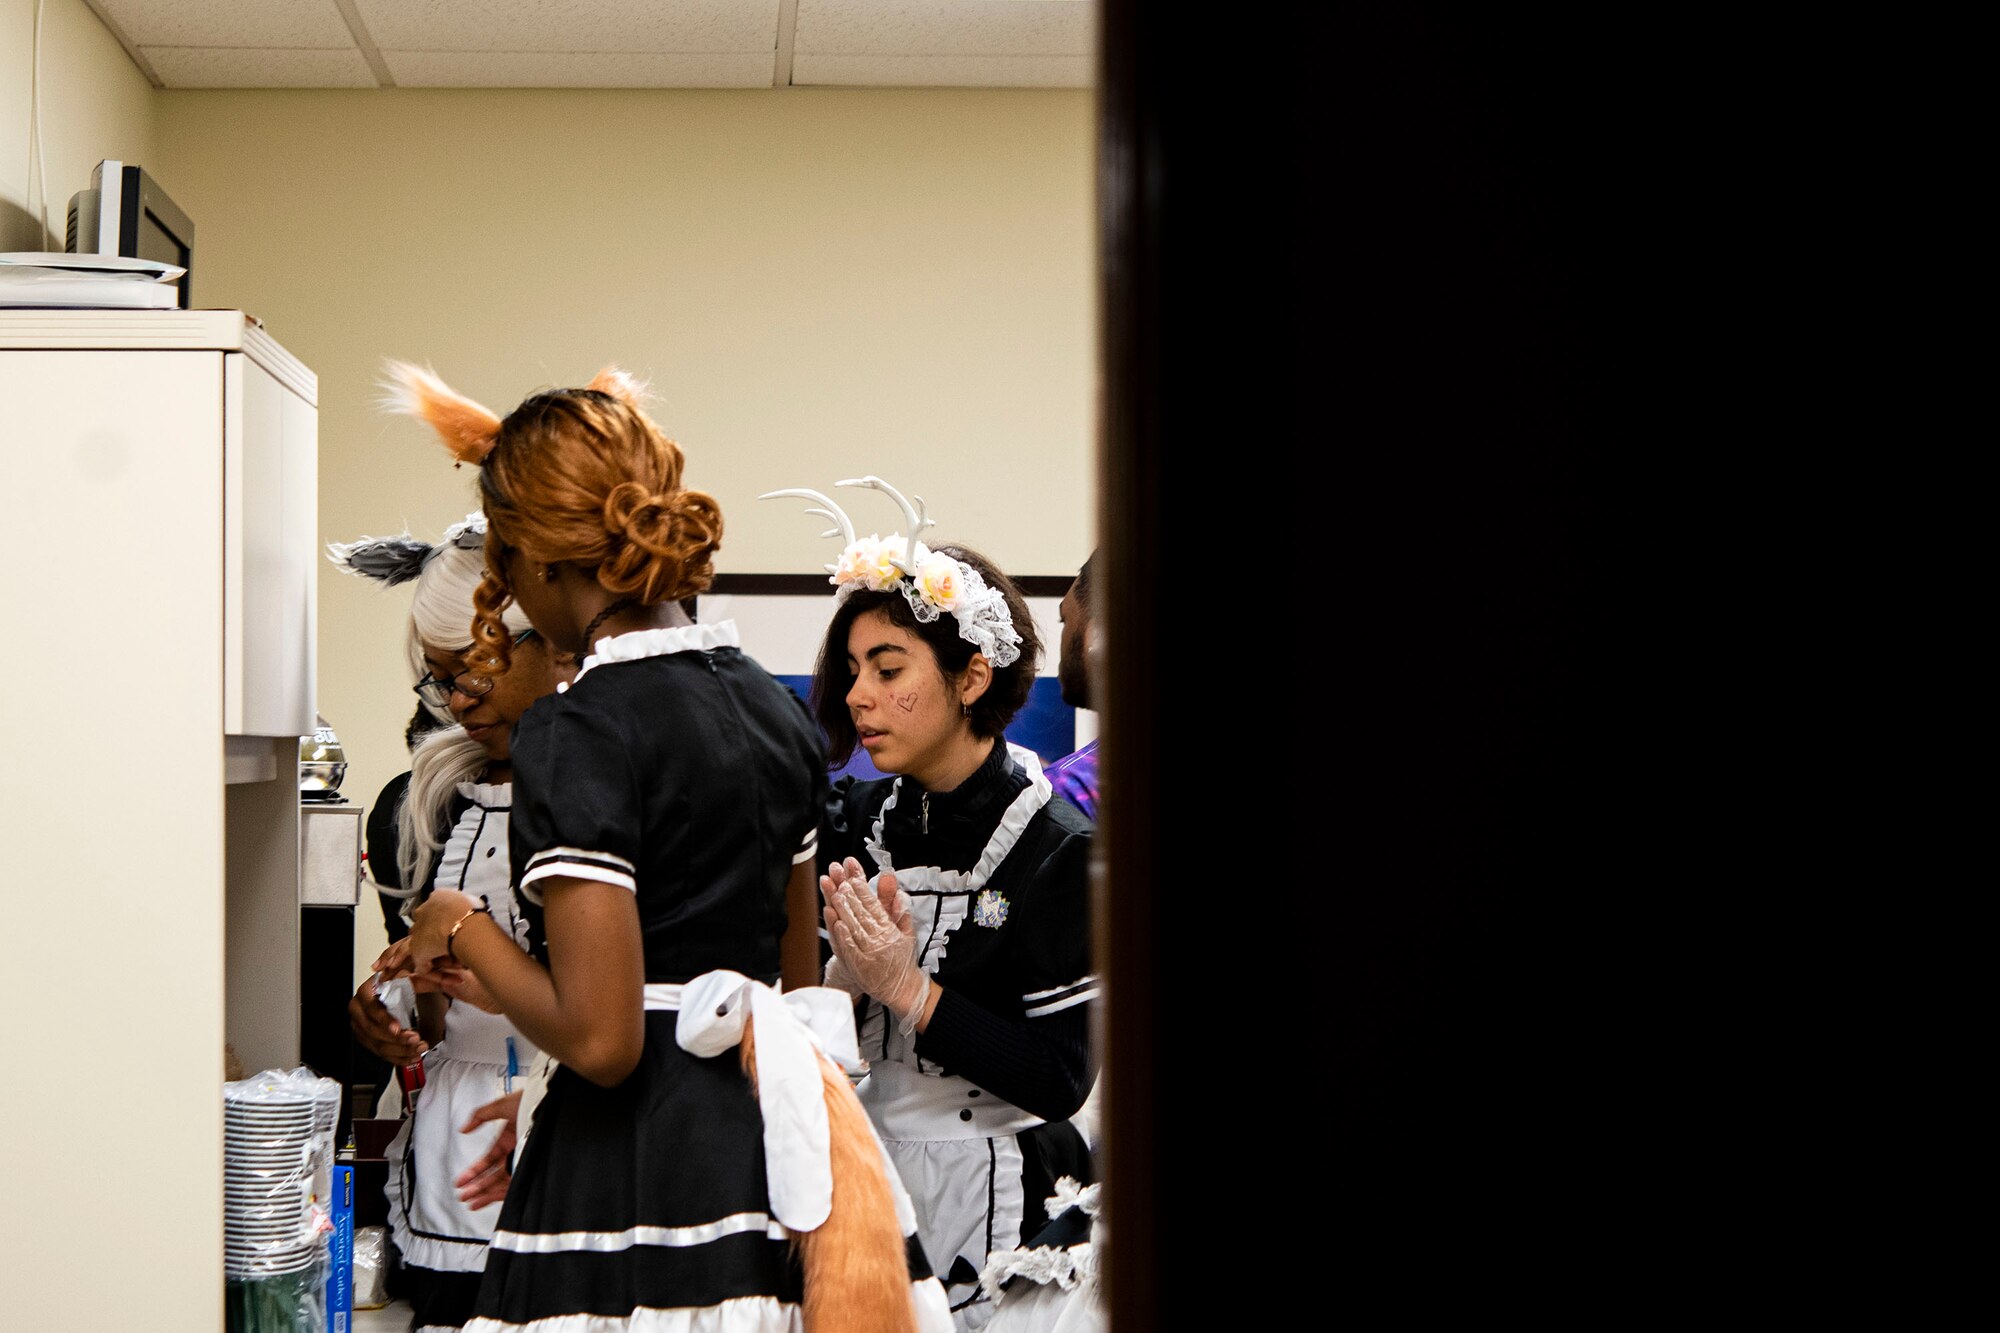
[{"x": 931, "y": 582}]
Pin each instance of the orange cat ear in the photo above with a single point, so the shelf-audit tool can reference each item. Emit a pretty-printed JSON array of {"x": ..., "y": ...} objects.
[
  {"x": 467, "y": 428},
  {"x": 617, "y": 384}
]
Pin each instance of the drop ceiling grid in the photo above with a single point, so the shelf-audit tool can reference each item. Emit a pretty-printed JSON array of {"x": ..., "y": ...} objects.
[
  {"x": 905, "y": 28},
  {"x": 231, "y": 23},
  {"x": 569, "y": 69},
  {"x": 945, "y": 43},
  {"x": 810, "y": 69},
  {"x": 606, "y": 43},
  {"x": 253, "y": 67},
  {"x": 626, "y": 27}
]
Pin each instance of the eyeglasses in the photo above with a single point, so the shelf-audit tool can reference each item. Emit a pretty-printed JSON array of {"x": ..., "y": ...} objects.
[{"x": 438, "y": 690}]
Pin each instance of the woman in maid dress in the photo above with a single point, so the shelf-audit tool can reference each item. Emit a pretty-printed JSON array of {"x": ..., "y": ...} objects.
[
  {"x": 451, "y": 833},
  {"x": 692, "y": 1158},
  {"x": 956, "y": 894}
]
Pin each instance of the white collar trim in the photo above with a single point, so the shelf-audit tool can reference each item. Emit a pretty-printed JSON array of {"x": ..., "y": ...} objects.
[
  {"x": 643, "y": 643},
  {"x": 491, "y": 795},
  {"x": 1015, "y": 819}
]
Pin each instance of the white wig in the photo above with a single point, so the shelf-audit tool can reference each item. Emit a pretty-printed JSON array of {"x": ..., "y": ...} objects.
[
  {"x": 441, "y": 617},
  {"x": 446, "y": 576},
  {"x": 441, "y": 610}
]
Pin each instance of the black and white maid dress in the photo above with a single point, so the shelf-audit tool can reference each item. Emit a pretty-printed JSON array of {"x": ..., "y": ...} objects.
[
  {"x": 482, "y": 1056},
  {"x": 974, "y": 1110},
  {"x": 1051, "y": 1284},
  {"x": 676, "y": 769}
]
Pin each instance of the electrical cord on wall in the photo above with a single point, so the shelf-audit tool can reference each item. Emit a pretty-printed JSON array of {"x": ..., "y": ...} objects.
[{"x": 38, "y": 171}]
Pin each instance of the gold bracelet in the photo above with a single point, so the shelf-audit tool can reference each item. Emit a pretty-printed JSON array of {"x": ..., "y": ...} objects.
[{"x": 451, "y": 936}]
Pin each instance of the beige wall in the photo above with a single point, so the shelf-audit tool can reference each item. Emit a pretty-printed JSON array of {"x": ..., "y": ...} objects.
[
  {"x": 95, "y": 104},
  {"x": 819, "y": 284}
]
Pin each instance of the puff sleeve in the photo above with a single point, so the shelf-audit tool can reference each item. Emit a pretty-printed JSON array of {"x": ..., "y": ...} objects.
[{"x": 577, "y": 809}]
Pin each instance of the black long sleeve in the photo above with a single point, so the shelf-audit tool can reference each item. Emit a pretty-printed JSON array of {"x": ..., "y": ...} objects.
[{"x": 1041, "y": 1065}]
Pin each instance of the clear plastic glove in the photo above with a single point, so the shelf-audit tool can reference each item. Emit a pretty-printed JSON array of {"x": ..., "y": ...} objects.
[
  {"x": 839, "y": 978},
  {"x": 837, "y": 876},
  {"x": 875, "y": 944}
]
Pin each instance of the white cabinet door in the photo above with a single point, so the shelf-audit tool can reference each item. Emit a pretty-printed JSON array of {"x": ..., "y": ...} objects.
[
  {"x": 304, "y": 551},
  {"x": 111, "y": 815},
  {"x": 270, "y": 592},
  {"x": 161, "y": 548}
]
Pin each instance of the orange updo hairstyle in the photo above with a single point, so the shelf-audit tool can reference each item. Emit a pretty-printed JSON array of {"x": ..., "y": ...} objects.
[{"x": 584, "y": 477}]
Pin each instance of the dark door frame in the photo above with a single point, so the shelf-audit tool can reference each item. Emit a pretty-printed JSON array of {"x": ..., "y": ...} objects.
[{"x": 1355, "y": 786}]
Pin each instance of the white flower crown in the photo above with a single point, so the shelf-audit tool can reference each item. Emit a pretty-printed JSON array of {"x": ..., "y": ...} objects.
[{"x": 931, "y": 582}]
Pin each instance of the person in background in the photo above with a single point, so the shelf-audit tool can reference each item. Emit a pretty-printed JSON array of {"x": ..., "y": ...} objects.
[
  {"x": 1074, "y": 776},
  {"x": 957, "y": 896},
  {"x": 451, "y": 833},
  {"x": 1049, "y": 1284}
]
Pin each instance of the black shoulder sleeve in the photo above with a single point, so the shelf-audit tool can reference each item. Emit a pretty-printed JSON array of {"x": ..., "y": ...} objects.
[
  {"x": 578, "y": 811},
  {"x": 848, "y": 816},
  {"x": 1053, "y": 963},
  {"x": 383, "y": 848}
]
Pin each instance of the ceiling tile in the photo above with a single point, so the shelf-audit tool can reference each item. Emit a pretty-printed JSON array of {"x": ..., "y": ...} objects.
[
  {"x": 524, "y": 69},
  {"x": 309, "y": 23},
  {"x": 943, "y": 71},
  {"x": 946, "y": 27},
  {"x": 684, "y": 26},
  {"x": 249, "y": 67}
]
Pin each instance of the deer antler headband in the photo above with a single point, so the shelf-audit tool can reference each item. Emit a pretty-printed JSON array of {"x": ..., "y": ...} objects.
[{"x": 931, "y": 582}]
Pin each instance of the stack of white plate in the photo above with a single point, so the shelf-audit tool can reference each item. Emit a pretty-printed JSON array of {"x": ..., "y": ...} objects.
[{"x": 277, "y": 1159}]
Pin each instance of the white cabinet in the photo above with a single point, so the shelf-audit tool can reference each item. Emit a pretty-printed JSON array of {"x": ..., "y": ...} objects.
[
  {"x": 158, "y": 537},
  {"x": 270, "y": 581}
]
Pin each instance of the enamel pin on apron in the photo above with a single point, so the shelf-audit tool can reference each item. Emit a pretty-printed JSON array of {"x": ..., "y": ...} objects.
[{"x": 989, "y": 909}]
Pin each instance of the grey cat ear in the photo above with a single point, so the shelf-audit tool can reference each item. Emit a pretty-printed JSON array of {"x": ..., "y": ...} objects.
[
  {"x": 469, "y": 535},
  {"x": 387, "y": 560}
]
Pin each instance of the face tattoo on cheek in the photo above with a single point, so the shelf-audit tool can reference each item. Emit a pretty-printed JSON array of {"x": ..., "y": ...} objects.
[{"x": 906, "y": 702}]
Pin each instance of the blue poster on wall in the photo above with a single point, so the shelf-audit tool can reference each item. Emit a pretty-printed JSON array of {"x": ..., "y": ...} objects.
[{"x": 1045, "y": 725}]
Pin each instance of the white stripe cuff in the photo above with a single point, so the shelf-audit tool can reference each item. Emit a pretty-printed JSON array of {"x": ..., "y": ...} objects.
[
  {"x": 572, "y": 870},
  {"x": 583, "y": 852},
  {"x": 1032, "y": 996},
  {"x": 1043, "y": 1011}
]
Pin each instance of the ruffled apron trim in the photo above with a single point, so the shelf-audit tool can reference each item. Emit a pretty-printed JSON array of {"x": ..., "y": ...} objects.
[{"x": 941, "y": 899}]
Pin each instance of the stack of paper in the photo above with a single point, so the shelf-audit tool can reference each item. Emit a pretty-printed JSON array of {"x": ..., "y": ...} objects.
[{"x": 50, "y": 279}]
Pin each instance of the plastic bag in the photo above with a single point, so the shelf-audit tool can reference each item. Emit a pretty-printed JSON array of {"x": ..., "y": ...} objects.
[
  {"x": 371, "y": 1268},
  {"x": 279, "y": 1302},
  {"x": 277, "y": 1179}
]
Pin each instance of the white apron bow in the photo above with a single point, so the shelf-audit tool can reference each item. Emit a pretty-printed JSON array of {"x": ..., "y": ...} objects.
[{"x": 792, "y": 1029}]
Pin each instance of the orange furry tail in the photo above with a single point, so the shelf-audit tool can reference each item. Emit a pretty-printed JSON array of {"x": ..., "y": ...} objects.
[
  {"x": 857, "y": 1279},
  {"x": 467, "y": 428}
]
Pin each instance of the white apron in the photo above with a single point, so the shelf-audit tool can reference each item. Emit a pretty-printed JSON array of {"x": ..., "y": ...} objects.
[{"x": 462, "y": 1073}]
